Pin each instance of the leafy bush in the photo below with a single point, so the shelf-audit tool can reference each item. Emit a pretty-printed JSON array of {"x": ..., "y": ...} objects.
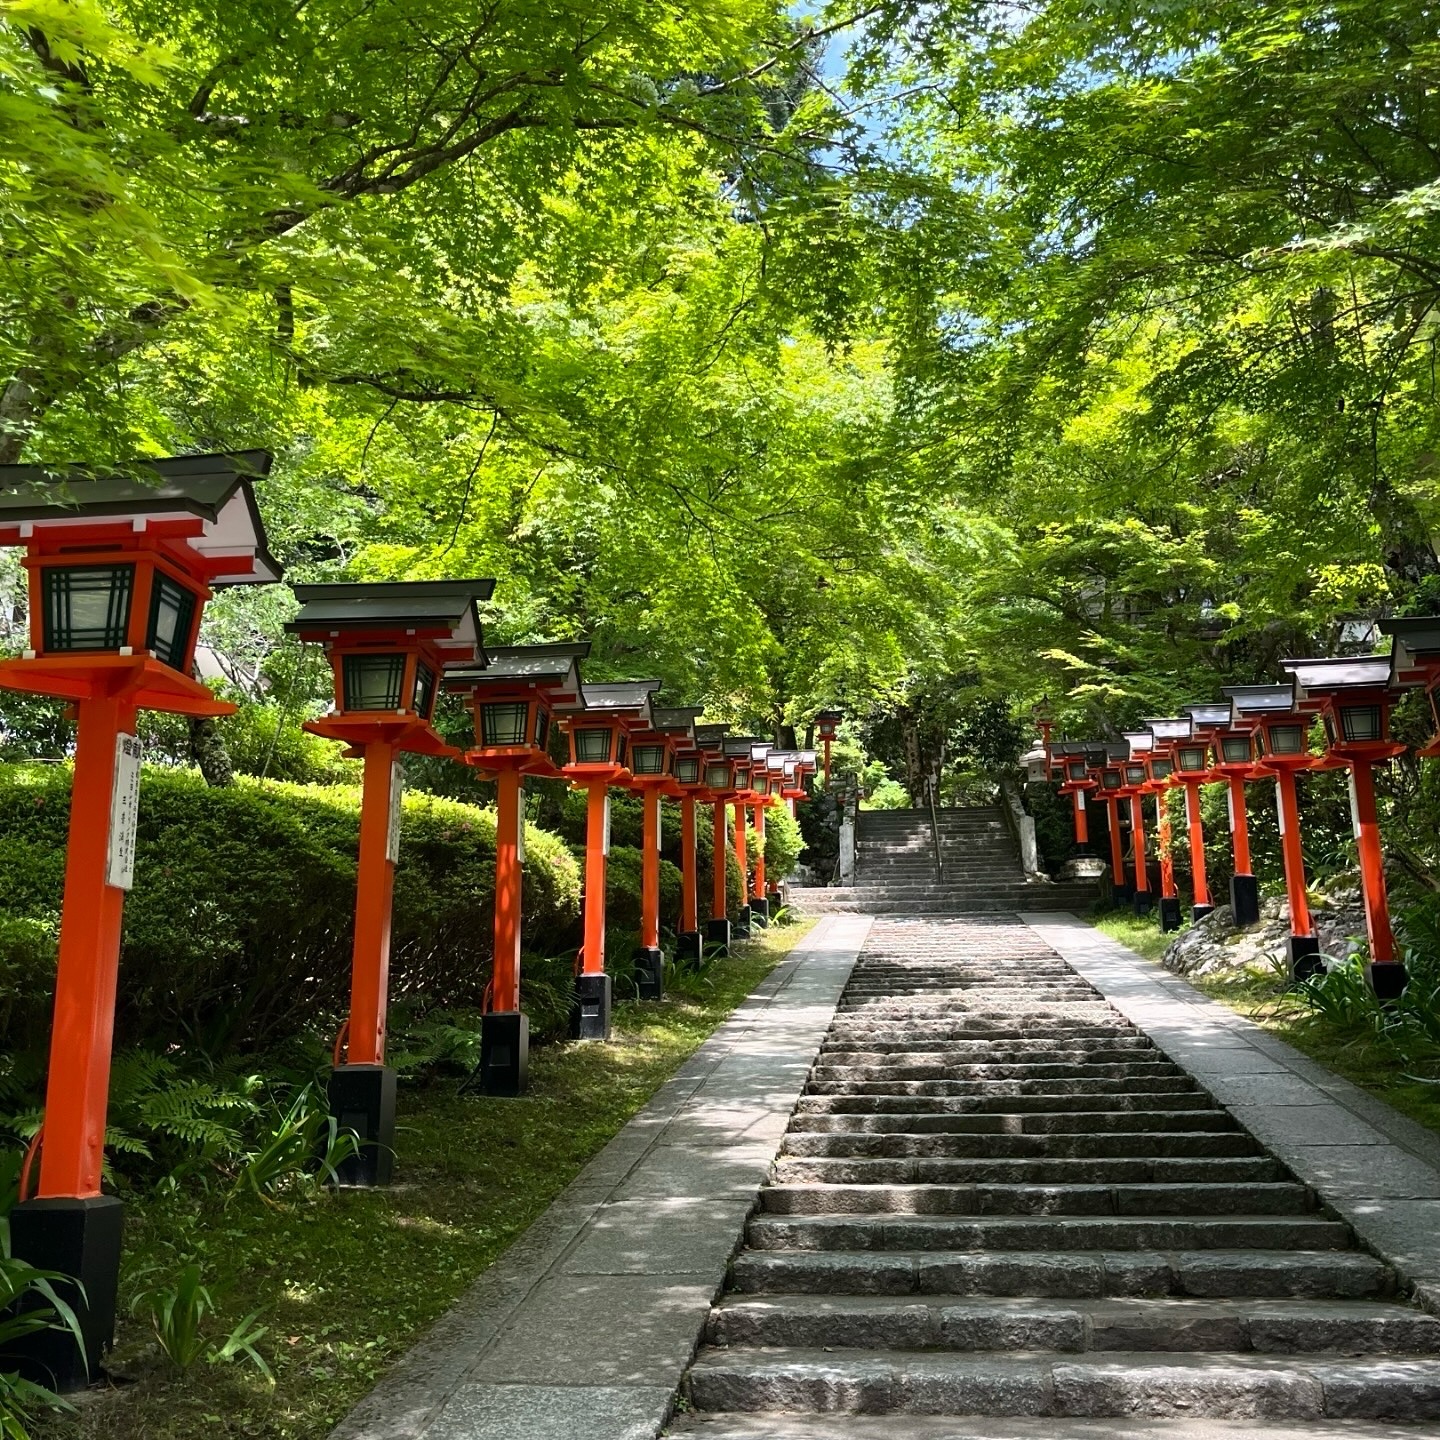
[
  {"x": 888, "y": 795},
  {"x": 241, "y": 916},
  {"x": 28, "y": 1302},
  {"x": 783, "y": 843}
]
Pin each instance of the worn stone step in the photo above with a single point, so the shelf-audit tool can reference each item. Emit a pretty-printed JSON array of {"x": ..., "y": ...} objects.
[
  {"x": 1122, "y": 1383},
  {"x": 973, "y": 1031},
  {"x": 1019, "y": 1113},
  {"x": 1208, "y": 1274},
  {"x": 830, "y": 1135},
  {"x": 1003, "y": 1089},
  {"x": 793, "y": 1168},
  {"x": 907, "y": 1067},
  {"x": 961, "y": 1322},
  {"x": 816, "y": 1198},
  {"x": 773, "y": 1425},
  {"x": 1027, "y": 1232},
  {"x": 875, "y": 1050}
]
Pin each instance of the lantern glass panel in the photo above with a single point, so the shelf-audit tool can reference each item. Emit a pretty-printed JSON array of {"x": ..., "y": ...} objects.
[
  {"x": 1112, "y": 780},
  {"x": 1360, "y": 722},
  {"x": 1287, "y": 739},
  {"x": 1134, "y": 774},
  {"x": 503, "y": 723},
  {"x": 621, "y": 748},
  {"x": 1192, "y": 757},
  {"x": 717, "y": 777},
  {"x": 542, "y": 727},
  {"x": 372, "y": 682},
  {"x": 648, "y": 760},
  {"x": 424, "y": 700},
  {"x": 687, "y": 770},
  {"x": 86, "y": 607},
  {"x": 592, "y": 745},
  {"x": 172, "y": 612},
  {"x": 1161, "y": 768},
  {"x": 1076, "y": 769},
  {"x": 1235, "y": 749}
]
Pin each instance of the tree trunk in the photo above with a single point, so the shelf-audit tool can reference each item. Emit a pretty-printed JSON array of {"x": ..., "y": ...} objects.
[{"x": 207, "y": 750}]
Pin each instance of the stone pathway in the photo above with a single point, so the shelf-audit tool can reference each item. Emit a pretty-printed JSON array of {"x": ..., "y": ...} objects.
[
  {"x": 999, "y": 1199},
  {"x": 582, "y": 1330}
]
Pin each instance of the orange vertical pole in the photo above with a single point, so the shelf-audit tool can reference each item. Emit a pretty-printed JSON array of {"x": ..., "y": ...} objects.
[
  {"x": 374, "y": 891},
  {"x": 689, "y": 879},
  {"x": 1372, "y": 864},
  {"x": 592, "y": 954},
  {"x": 1137, "y": 839},
  {"x": 1196, "y": 827},
  {"x": 1239, "y": 825},
  {"x": 827, "y": 764},
  {"x": 1289, "y": 809},
  {"x": 1082, "y": 820},
  {"x": 650, "y": 871},
  {"x": 509, "y": 894},
  {"x": 741, "y": 858},
  {"x": 78, "y": 1083},
  {"x": 1117, "y": 845},
  {"x": 760, "y": 851},
  {"x": 720, "y": 900},
  {"x": 1163, "y": 841}
]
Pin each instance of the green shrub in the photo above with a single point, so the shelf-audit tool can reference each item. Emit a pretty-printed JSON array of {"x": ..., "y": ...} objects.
[
  {"x": 238, "y": 931},
  {"x": 783, "y": 843}
]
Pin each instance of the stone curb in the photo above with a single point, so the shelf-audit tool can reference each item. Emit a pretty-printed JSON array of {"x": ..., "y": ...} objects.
[
  {"x": 1377, "y": 1169},
  {"x": 584, "y": 1327}
]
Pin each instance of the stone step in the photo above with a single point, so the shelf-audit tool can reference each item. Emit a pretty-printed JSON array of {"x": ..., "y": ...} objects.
[
  {"x": 903, "y": 1142},
  {"x": 1233, "y": 1386},
  {"x": 911, "y": 1067},
  {"x": 773, "y": 1425},
  {"x": 1193, "y": 1110},
  {"x": 924, "y": 1198},
  {"x": 1178, "y": 1084},
  {"x": 1203, "y": 1274},
  {"x": 1031, "y": 1232},
  {"x": 795, "y": 1168},
  {"x": 1121, "y": 1049},
  {"x": 960, "y": 1322},
  {"x": 848, "y": 1031},
  {"x": 1043, "y": 901}
]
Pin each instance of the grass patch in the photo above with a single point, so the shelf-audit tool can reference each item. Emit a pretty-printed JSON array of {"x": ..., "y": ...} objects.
[
  {"x": 1406, "y": 1078},
  {"x": 346, "y": 1282}
]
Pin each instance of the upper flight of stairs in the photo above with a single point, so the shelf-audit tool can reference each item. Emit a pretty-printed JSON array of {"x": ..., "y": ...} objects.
[
  {"x": 998, "y": 1199},
  {"x": 895, "y": 869}
]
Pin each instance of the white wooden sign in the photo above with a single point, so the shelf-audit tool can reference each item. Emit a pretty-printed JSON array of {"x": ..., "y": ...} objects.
[
  {"x": 124, "y": 813},
  {"x": 605, "y": 848},
  {"x": 397, "y": 795},
  {"x": 520, "y": 827}
]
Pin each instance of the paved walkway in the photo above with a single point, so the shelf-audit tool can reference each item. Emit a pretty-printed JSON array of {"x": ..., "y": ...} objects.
[{"x": 584, "y": 1327}]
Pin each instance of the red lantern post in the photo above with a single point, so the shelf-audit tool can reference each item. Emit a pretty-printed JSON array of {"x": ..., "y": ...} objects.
[
  {"x": 514, "y": 697},
  {"x": 1268, "y": 713},
  {"x": 1233, "y": 760},
  {"x": 119, "y": 568},
  {"x": 689, "y": 771},
  {"x": 1168, "y": 733},
  {"x": 738, "y": 750},
  {"x": 599, "y": 758},
  {"x": 757, "y": 804},
  {"x": 826, "y": 724},
  {"x": 719, "y": 775},
  {"x": 1353, "y": 696},
  {"x": 1112, "y": 789},
  {"x": 387, "y": 645},
  {"x": 1071, "y": 763},
  {"x": 1135, "y": 789},
  {"x": 1415, "y": 661}
]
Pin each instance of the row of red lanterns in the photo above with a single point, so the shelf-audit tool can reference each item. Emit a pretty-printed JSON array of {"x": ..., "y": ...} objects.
[
  {"x": 119, "y": 572},
  {"x": 1261, "y": 732}
]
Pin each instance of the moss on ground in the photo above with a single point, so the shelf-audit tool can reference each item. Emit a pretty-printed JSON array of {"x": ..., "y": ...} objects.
[{"x": 347, "y": 1281}]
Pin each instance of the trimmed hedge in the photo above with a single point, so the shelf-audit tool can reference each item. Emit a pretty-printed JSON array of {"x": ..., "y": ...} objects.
[{"x": 240, "y": 922}]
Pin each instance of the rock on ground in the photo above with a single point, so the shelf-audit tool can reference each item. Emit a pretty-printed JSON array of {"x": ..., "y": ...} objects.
[{"x": 1214, "y": 945}]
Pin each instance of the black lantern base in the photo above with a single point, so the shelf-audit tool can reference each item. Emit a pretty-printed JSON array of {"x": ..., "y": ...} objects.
[
  {"x": 717, "y": 932},
  {"x": 759, "y": 911},
  {"x": 1199, "y": 912},
  {"x": 740, "y": 926},
  {"x": 1122, "y": 895},
  {"x": 1387, "y": 979},
  {"x": 1245, "y": 900},
  {"x": 1170, "y": 918},
  {"x": 590, "y": 1014},
  {"x": 79, "y": 1238},
  {"x": 689, "y": 947},
  {"x": 649, "y": 972},
  {"x": 362, "y": 1099},
  {"x": 1304, "y": 952},
  {"x": 504, "y": 1052},
  {"x": 1142, "y": 902}
]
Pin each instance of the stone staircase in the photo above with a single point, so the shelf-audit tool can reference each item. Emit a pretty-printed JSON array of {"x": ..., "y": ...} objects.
[
  {"x": 997, "y": 1199},
  {"x": 981, "y": 872}
]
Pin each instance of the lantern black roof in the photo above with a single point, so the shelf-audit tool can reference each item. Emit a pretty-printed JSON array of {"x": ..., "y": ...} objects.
[
  {"x": 711, "y": 737},
  {"x": 1327, "y": 675},
  {"x": 215, "y": 488},
  {"x": 1259, "y": 699},
  {"x": 1141, "y": 742},
  {"x": 617, "y": 695},
  {"x": 1213, "y": 714},
  {"x": 1170, "y": 727},
  {"x": 408, "y": 604},
  {"x": 739, "y": 746},
  {"x": 1117, "y": 750},
  {"x": 676, "y": 717},
  {"x": 1417, "y": 635},
  {"x": 555, "y": 667}
]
